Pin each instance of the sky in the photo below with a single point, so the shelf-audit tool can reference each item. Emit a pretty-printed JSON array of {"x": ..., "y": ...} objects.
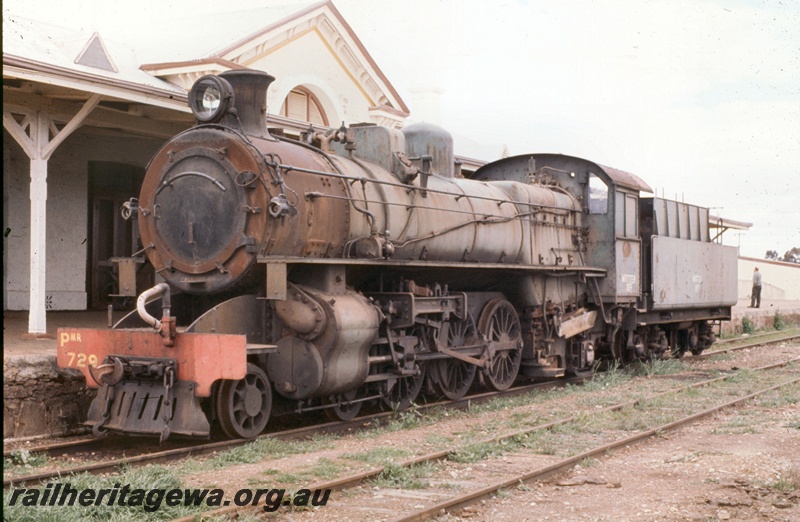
[{"x": 699, "y": 98}]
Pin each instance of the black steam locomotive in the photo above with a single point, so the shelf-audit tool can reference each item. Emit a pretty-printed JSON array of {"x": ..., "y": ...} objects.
[{"x": 359, "y": 264}]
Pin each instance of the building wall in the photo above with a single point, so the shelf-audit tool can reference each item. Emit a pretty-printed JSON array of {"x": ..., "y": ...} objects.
[
  {"x": 338, "y": 93},
  {"x": 778, "y": 280},
  {"x": 67, "y": 215}
]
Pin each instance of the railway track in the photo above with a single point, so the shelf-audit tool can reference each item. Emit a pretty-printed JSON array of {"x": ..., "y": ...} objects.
[
  {"x": 792, "y": 333},
  {"x": 94, "y": 445},
  {"x": 461, "y": 501},
  {"x": 68, "y": 449},
  {"x": 90, "y": 444},
  {"x": 709, "y": 354}
]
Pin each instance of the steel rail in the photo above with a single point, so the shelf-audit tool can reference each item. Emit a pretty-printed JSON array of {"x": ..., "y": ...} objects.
[
  {"x": 563, "y": 465},
  {"x": 355, "y": 479},
  {"x": 204, "y": 448},
  {"x": 754, "y": 344},
  {"x": 742, "y": 338}
]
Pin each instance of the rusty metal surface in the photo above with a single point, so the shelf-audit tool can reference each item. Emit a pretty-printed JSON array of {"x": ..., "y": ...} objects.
[
  {"x": 516, "y": 168},
  {"x": 207, "y": 209},
  {"x": 126, "y": 273},
  {"x": 201, "y": 211},
  {"x": 202, "y": 358},
  {"x": 690, "y": 274},
  {"x": 626, "y": 179},
  {"x": 320, "y": 226}
]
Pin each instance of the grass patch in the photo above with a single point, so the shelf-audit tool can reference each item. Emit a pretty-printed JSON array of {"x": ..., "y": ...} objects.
[
  {"x": 588, "y": 462},
  {"x": 408, "y": 419},
  {"x": 404, "y": 420},
  {"x": 504, "y": 493},
  {"x": 256, "y": 451},
  {"x": 326, "y": 469},
  {"x": 541, "y": 442},
  {"x": 481, "y": 450},
  {"x": 739, "y": 425},
  {"x": 780, "y": 322},
  {"x": 25, "y": 459},
  {"x": 438, "y": 440},
  {"x": 378, "y": 456},
  {"x": 293, "y": 478},
  {"x": 787, "y": 482},
  {"x": 747, "y": 326},
  {"x": 404, "y": 477},
  {"x": 779, "y": 401},
  {"x": 659, "y": 367},
  {"x": 613, "y": 376}
]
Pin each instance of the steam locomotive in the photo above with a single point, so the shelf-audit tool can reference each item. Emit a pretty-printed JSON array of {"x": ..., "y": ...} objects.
[{"x": 359, "y": 265}]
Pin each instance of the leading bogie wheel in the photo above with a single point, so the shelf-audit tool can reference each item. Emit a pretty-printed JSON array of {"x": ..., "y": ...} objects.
[
  {"x": 499, "y": 322},
  {"x": 244, "y": 406}
]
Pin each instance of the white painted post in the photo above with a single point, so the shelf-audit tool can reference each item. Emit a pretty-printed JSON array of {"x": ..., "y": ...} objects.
[
  {"x": 37, "y": 321},
  {"x": 37, "y": 316}
]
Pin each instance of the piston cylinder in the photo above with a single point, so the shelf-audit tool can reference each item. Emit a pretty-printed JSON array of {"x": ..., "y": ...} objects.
[{"x": 328, "y": 349}]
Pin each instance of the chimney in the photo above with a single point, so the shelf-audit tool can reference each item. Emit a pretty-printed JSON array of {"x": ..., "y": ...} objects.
[{"x": 250, "y": 99}]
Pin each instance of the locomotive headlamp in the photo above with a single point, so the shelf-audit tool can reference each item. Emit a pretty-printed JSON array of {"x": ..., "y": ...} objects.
[{"x": 210, "y": 98}]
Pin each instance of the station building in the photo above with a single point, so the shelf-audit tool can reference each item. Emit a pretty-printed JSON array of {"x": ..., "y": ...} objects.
[{"x": 84, "y": 113}]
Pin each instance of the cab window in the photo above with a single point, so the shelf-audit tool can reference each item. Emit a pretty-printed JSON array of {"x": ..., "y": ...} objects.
[{"x": 598, "y": 195}]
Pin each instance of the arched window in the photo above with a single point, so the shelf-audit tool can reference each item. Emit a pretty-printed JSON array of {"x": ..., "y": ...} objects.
[{"x": 300, "y": 104}]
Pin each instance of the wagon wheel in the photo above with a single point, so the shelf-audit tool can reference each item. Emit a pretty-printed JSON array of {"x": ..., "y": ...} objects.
[
  {"x": 499, "y": 322},
  {"x": 454, "y": 377},
  {"x": 405, "y": 390},
  {"x": 341, "y": 411},
  {"x": 243, "y": 406}
]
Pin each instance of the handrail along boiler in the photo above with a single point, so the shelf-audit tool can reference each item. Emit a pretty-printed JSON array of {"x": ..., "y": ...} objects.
[{"x": 358, "y": 264}]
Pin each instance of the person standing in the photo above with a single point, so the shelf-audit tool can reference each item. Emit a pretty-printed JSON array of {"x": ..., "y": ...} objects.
[{"x": 755, "y": 296}]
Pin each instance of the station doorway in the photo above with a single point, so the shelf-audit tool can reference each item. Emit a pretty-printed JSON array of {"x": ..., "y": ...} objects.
[{"x": 110, "y": 186}]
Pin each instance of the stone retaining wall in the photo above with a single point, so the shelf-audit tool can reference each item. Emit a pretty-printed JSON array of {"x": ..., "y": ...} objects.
[
  {"x": 41, "y": 399},
  {"x": 762, "y": 319}
]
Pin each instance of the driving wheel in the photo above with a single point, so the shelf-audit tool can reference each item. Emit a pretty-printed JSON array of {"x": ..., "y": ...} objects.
[
  {"x": 499, "y": 322},
  {"x": 454, "y": 377}
]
